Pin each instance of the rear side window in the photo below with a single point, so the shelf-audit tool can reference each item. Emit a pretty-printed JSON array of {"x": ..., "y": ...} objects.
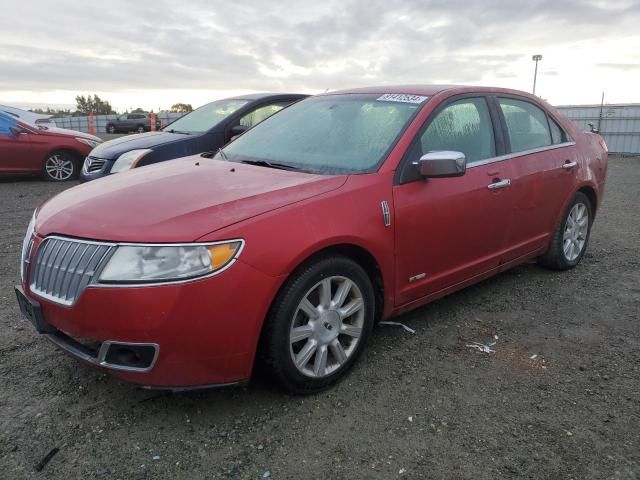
[
  {"x": 463, "y": 126},
  {"x": 527, "y": 124},
  {"x": 261, "y": 113}
]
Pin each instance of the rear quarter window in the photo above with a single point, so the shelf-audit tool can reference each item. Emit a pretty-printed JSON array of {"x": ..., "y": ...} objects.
[{"x": 557, "y": 134}]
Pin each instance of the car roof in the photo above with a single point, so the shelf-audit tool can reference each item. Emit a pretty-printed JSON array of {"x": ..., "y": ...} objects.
[
  {"x": 268, "y": 96},
  {"x": 23, "y": 115},
  {"x": 428, "y": 90}
]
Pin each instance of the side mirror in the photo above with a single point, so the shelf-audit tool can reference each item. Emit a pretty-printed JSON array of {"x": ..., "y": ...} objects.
[
  {"x": 18, "y": 131},
  {"x": 593, "y": 128},
  {"x": 443, "y": 163},
  {"x": 238, "y": 130}
]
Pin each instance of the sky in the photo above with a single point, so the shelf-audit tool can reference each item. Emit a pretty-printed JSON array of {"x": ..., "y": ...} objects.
[{"x": 152, "y": 54}]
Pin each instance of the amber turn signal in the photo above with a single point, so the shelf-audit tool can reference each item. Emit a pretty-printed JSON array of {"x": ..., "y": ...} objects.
[{"x": 222, "y": 254}]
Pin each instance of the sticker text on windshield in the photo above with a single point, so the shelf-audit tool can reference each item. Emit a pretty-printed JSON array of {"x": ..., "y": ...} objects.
[{"x": 401, "y": 97}]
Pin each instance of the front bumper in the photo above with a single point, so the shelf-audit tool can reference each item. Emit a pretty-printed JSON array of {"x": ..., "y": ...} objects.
[{"x": 206, "y": 331}]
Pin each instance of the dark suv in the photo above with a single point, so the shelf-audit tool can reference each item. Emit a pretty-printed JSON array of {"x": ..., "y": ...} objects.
[{"x": 131, "y": 122}]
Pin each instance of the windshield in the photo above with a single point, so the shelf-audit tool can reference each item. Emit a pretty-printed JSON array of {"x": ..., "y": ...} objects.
[
  {"x": 328, "y": 134},
  {"x": 206, "y": 117}
]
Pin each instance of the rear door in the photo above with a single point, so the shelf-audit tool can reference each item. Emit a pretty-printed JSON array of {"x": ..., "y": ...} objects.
[
  {"x": 450, "y": 230},
  {"x": 541, "y": 164}
]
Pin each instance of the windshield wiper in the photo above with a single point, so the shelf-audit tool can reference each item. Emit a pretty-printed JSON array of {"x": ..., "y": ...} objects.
[
  {"x": 264, "y": 163},
  {"x": 178, "y": 132}
]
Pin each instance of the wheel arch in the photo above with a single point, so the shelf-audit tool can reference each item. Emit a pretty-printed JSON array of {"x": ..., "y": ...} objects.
[
  {"x": 357, "y": 253},
  {"x": 76, "y": 154},
  {"x": 591, "y": 194}
]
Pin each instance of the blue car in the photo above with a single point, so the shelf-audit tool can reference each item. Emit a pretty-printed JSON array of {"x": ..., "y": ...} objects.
[{"x": 205, "y": 129}]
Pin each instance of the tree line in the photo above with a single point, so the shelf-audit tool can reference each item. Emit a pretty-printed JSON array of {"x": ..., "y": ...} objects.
[{"x": 95, "y": 104}]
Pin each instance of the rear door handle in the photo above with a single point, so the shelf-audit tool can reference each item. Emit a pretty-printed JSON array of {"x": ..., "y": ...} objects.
[
  {"x": 498, "y": 185},
  {"x": 570, "y": 165}
]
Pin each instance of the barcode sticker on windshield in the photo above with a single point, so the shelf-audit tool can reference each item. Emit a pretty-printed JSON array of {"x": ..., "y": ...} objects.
[{"x": 401, "y": 97}]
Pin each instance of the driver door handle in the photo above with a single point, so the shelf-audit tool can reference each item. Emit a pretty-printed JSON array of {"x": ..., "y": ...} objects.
[
  {"x": 498, "y": 185},
  {"x": 569, "y": 165}
]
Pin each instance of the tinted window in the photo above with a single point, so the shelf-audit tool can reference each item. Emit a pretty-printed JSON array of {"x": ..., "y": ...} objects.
[
  {"x": 464, "y": 126},
  {"x": 526, "y": 123},
  {"x": 260, "y": 114},
  {"x": 327, "y": 134},
  {"x": 557, "y": 134}
]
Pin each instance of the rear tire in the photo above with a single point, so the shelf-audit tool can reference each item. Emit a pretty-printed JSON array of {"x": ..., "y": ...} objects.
[
  {"x": 570, "y": 239},
  {"x": 318, "y": 325},
  {"x": 111, "y": 129},
  {"x": 60, "y": 166},
  {"x": 140, "y": 129}
]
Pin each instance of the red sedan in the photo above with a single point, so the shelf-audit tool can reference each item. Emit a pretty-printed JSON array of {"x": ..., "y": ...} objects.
[
  {"x": 285, "y": 248},
  {"x": 55, "y": 153}
]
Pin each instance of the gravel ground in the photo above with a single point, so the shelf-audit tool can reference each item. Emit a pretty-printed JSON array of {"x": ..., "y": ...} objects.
[{"x": 417, "y": 405}]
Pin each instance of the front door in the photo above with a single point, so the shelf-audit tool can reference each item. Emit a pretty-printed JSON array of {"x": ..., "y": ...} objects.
[
  {"x": 15, "y": 151},
  {"x": 449, "y": 230}
]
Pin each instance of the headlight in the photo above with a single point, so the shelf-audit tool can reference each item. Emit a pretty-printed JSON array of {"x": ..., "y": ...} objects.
[
  {"x": 129, "y": 160},
  {"x": 25, "y": 245},
  {"x": 87, "y": 141},
  {"x": 166, "y": 263}
]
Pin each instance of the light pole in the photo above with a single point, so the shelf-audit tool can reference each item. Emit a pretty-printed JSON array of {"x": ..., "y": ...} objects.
[{"x": 535, "y": 58}]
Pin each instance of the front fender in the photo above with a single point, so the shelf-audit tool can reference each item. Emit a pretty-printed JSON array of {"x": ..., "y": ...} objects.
[{"x": 277, "y": 242}]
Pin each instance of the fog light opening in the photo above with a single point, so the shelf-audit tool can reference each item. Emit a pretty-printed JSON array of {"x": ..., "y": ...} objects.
[{"x": 130, "y": 356}]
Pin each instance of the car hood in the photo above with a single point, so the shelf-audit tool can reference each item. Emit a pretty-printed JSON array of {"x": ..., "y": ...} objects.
[
  {"x": 112, "y": 149},
  {"x": 175, "y": 201},
  {"x": 66, "y": 133}
]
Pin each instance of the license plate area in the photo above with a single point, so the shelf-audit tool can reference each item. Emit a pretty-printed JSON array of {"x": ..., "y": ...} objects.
[{"x": 32, "y": 311}]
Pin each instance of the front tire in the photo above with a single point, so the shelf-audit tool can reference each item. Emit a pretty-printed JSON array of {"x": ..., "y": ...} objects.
[
  {"x": 319, "y": 324},
  {"x": 570, "y": 239},
  {"x": 140, "y": 129},
  {"x": 60, "y": 167},
  {"x": 111, "y": 129}
]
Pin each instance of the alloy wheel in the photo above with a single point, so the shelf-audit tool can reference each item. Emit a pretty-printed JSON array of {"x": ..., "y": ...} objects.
[
  {"x": 575, "y": 233},
  {"x": 327, "y": 326},
  {"x": 59, "y": 168}
]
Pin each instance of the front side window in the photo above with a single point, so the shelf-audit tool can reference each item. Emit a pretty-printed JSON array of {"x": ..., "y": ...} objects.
[
  {"x": 261, "y": 113},
  {"x": 463, "y": 126},
  {"x": 206, "y": 117},
  {"x": 328, "y": 134},
  {"x": 526, "y": 123}
]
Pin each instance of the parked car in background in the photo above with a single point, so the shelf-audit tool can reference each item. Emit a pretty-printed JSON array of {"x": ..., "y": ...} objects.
[
  {"x": 205, "y": 129},
  {"x": 27, "y": 116},
  {"x": 131, "y": 122},
  {"x": 55, "y": 153},
  {"x": 291, "y": 242}
]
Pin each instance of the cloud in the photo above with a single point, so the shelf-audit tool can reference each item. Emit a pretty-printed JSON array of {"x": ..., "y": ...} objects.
[{"x": 294, "y": 45}]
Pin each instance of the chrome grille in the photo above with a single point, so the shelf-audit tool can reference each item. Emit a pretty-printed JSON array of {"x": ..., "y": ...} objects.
[
  {"x": 63, "y": 267},
  {"x": 94, "y": 164}
]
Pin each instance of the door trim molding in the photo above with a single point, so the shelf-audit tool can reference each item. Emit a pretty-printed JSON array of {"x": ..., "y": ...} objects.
[{"x": 520, "y": 154}]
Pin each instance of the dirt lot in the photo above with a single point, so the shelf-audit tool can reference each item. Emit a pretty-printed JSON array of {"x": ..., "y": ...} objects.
[{"x": 417, "y": 405}]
